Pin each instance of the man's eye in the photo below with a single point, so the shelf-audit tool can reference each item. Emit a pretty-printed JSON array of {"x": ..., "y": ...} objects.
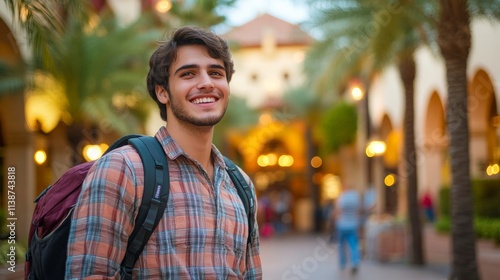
[
  {"x": 187, "y": 74},
  {"x": 216, "y": 73}
]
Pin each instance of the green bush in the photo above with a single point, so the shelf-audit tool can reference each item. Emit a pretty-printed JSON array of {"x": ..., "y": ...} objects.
[
  {"x": 443, "y": 224},
  {"x": 444, "y": 201},
  {"x": 339, "y": 126},
  {"x": 485, "y": 228},
  {"x": 486, "y": 198}
]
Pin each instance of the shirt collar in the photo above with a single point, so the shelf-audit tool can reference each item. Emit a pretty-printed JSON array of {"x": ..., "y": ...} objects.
[{"x": 174, "y": 150}]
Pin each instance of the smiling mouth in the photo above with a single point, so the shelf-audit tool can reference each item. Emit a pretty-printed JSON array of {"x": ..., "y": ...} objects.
[{"x": 203, "y": 100}]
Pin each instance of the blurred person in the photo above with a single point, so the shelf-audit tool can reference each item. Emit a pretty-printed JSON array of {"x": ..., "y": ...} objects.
[
  {"x": 281, "y": 207},
  {"x": 204, "y": 230},
  {"x": 329, "y": 220},
  {"x": 347, "y": 216},
  {"x": 428, "y": 206},
  {"x": 265, "y": 215}
]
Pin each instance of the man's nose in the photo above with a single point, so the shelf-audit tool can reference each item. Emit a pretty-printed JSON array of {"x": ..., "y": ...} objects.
[{"x": 205, "y": 82}]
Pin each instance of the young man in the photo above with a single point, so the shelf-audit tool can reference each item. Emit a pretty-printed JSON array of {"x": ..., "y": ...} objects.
[{"x": 203, "y": 232}]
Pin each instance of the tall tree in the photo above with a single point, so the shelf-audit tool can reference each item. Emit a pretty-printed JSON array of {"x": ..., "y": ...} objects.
[
  {"x": 454, "y": 39},
  {"x": 362, "y": 38}
]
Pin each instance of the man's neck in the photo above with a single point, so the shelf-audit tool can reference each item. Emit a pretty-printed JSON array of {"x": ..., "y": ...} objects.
[{"x": 195, "y": 141}]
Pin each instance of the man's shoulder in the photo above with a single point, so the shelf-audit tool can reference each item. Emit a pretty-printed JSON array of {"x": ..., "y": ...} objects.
[{"x": 125, "y": 155}]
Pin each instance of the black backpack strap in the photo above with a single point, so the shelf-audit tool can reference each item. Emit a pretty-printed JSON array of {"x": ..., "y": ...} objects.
[
  {"x": 122, "y": 141},
  {"x": 154, "y": 200},
  {"x": 245, "y": 193}
]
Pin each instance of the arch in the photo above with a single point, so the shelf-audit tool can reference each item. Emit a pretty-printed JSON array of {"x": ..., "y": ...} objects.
[
  {"x": 435, "y": 123},
  {"x": 483, "y": 129},
  {"x": 435, "y": 171}
]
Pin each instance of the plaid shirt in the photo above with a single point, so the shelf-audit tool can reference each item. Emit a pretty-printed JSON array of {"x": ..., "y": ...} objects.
[{"x": 202, "y": 235}]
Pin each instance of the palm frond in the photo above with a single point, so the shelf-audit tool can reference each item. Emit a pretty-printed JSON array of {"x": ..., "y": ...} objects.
[{"x": 364, "y": 36}]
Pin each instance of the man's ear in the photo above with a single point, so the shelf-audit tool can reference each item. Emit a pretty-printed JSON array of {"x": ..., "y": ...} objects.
[{"x": 161, "y": 94}]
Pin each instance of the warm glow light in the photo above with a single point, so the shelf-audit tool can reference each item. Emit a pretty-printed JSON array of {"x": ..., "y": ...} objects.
[
  {"x": 389, "y": 180},
  {"x": 331, "y": 186},
  {"x": 316, "y": 162},
  {"x": 357, "y": 93},
  {"x": 92, "y": 152},
  {"x": 285, "y": 161},
  {"x": 492, "y": 169},
  {"x": 495, "y": 168},
  {"x": 375, "y": 148},
  {"x": 273, "y": 159},
  {"x": 45, "y": 103},
  {"x": 40, "y": 157},
  {"x": 163, "y": 6},
  {"x": 263, "y": 161}
]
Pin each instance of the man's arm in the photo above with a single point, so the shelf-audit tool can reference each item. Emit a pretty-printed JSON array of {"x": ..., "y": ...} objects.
[{"x": 102, "y": 220}]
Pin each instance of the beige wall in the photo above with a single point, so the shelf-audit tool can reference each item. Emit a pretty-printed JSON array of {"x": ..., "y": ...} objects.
[{"x": 269, "y": 69}]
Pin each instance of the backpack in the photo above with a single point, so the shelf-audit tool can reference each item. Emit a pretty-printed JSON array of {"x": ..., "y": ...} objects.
[{"x": 51, "y": 221}]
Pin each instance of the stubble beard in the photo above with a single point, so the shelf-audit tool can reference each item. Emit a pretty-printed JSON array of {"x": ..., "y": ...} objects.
[{"x": 185, "y": 117}]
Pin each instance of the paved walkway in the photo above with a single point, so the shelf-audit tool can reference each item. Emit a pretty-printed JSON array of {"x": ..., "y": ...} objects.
[
  {"x": 438, "y": 251},
  {"x": 311, "y": 257},
  {"x": 301, "y": 257}
]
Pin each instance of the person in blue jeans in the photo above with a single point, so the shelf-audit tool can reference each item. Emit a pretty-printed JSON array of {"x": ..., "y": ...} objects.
[{"x": 347, "y": 212}]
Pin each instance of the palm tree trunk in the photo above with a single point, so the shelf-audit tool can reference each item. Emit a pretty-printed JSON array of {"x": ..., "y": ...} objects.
[
  {"x": 407, "y": 71},
  {"x": 454, "y": 40}
]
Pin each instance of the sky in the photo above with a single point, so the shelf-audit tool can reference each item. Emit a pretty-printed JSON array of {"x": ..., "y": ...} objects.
[{"x": 293, "y": 11}]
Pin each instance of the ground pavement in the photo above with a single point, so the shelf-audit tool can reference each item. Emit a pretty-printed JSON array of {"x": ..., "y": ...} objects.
[{"x": 299, "y": 257}]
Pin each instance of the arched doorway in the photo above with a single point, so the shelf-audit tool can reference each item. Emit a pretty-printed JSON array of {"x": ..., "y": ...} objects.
[
  {"x": 483, "y": 124},
  {"x": 435, "y": 169}
]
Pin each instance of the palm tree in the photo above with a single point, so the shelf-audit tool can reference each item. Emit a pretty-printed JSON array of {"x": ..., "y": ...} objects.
[
  {"x": 362, "y": 38},
  {"x": 454, "y": 40}
]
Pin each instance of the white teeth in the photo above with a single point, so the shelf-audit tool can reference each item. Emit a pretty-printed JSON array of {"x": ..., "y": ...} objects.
[{"x": 203, "y": 100}]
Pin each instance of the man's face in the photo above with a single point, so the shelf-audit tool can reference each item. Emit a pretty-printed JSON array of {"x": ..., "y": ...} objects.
[{"x": 198, "y": 88}]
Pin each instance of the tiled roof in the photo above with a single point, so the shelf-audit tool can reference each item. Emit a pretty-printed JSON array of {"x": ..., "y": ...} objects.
[{"x": 251, "y": 33}]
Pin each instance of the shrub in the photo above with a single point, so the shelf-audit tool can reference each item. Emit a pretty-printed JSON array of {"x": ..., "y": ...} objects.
[
  {"x": 486, "y": 198},
  {"x": 339, "y": 126},
  {"x": 487, "y": 228}
]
